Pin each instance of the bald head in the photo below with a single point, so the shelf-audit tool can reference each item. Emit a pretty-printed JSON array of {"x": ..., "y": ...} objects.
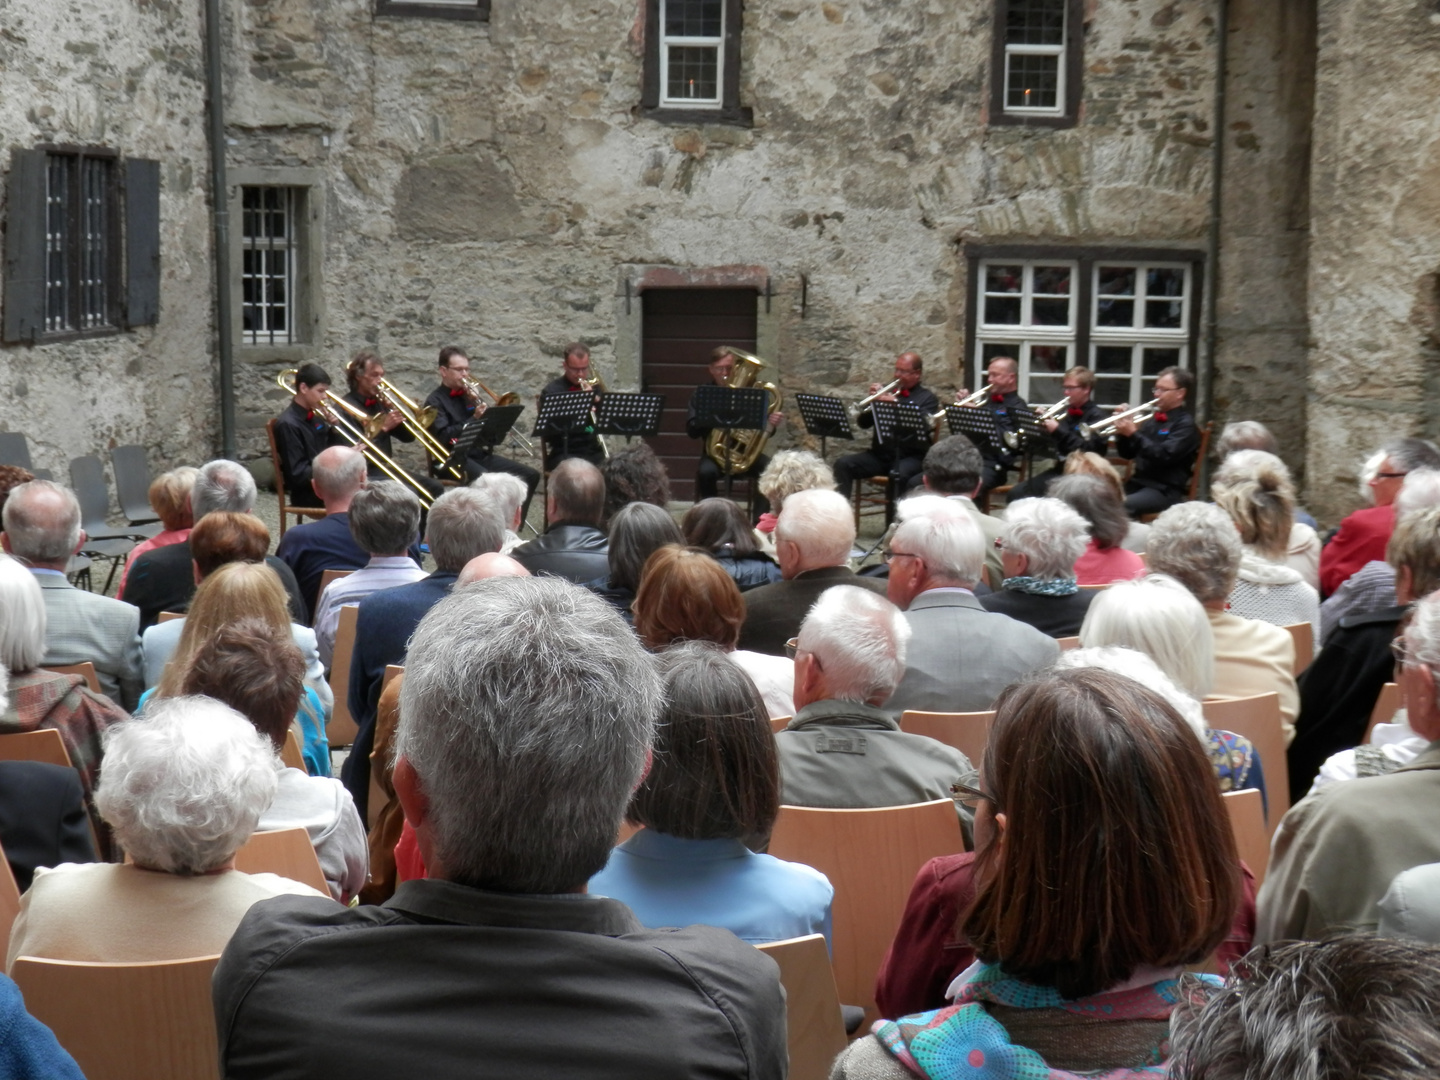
[
  {"x": 1002, "y": 374},
  {"x": 42, "y": 524},
  {"x": 491, "y": 564},
  {"x": 339, "y": 472}
]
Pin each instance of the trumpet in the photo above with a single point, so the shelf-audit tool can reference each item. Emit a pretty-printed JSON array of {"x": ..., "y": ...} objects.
[
  {"x": 1106, "y": 427},
  {"x": 888, "y": 388},
  {"x": 1051, "y": 412},
  {"x": 417, "y": 420},
  {"x": 977, "y": 397},
  {"x": 596, "y": 386}
]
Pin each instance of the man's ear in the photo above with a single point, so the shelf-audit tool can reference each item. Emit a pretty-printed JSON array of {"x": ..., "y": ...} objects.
[
  {"x": 5, "y": 543},
  {"x": 80, "y": 543},
  {"x": 413, "y": 800}
]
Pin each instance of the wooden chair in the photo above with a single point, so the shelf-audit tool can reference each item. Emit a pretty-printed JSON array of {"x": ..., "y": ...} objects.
[
  {"x": 85, "y": 668},
  {"x": 1304, "y": 635},
  {"x": 1067, "y": 643},
  {"x": 149, "y": 1021},
  {"x": 291, "y": 755},
  {"x": 43, "y": 745},
  {"x": 300, "y": 512},
  {"x": 1258, "y": 719},
  {"x": 342, "y": 729},
  {"x": 166, "y": 616},
  {"x": 9, "y": 896},
  {"x": 1247, "y": 822},
  {"x": 966, "y": 732},
  {"x": 1194, "y": 482},
  {"x": 326, "y": 577},
  {"x": 867, "y": 501},
  {"x": 1095, "y": 588},
  {"x": 287, "y": 852},
  {"x": 871, "y": 857},
  {"x": 1385, "y": 706},
  {"x": 813, "y": 1027},
  {"x": 779, "y": 723}
]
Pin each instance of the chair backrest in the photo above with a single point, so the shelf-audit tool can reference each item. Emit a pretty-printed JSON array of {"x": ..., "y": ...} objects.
[
  {"x": 85, "y": 668},
  {"x": 291, "y": 755},
  {"x": 1304, "y": 636},
  {"x": 44, "y": 745},
  {"x": 967, "y": 732},
  {"x": 15, "y": 450},
  {"x": 285, "y": 508},
  {"x": 1067, "y": 643},
  {"x": 871, "y": 857},
  {"x": 392, "y": 672},
  {"x": 1199, "y": 457},
  {"x": 341, "y": 730},
  {"x": 1095, "y": 588},
  {"x": 9, "y": 896},
  {"x": 166, "y": 616},
  {"x": 780, "y": 723},
  {"x": 327, "y": 576},
  {"x": 1247, "y": 822},
  {"x": 287, "y": 852},
  {"x": 813, "y": 1027},
  {"x": 1258, "y": 719},
  {"x": 87, "y": 478},
  {"x": 1385, "y": 705},
  {"x": 149, "y": 1021},
  {"x": 132, "y": 484}
]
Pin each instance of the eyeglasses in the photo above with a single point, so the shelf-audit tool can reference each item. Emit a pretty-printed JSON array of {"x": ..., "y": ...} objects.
[
  {"x": 1388, "y": 476},
  {"x": 969, "y": 796},
  {"x": 891, "y": 556}
]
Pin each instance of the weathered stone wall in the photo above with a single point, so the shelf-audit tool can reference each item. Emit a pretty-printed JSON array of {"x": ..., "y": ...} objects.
[{"x": 128, "y": 76}]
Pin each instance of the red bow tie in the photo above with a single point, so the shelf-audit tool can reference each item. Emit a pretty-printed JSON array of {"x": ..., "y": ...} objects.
[
  {"x": 370, "y": 402},
  {"x": 1073, "y": 411},
  {"x": 310, "y": 415},
  {"x": 903, "y": 393},
  {"x": 457, "y": 393},
  {"x": 998, "y": 399},
  {"x": 1162, "y": 417}
]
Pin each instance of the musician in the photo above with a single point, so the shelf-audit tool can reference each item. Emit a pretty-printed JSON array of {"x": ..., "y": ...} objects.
[
  {"x": 364, "y": 374},
  {"x": 707, "y": 476},
  {"x": 582, "y": 442},
  {"x": 1064, "y": 430},
  {"x": 454, "y": 408},
  {"x": 301, "y": 433},
  {"x": 1163, "y": 447},
  {"x": 1005, "y": 404},
  {"x": 900, "y": 461}
]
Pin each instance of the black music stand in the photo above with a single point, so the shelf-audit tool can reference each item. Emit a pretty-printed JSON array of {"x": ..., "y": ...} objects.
[
  {"x": 629, "y": 414},
  {"x": 894, "y": 422},
  {"x": 980, "y": 427},
  {"x": 742, "y": 408},
  {"x": 825, "y": 418},
  {"x": 561, "y": 416},
  {"x": 486, "y": 432}
]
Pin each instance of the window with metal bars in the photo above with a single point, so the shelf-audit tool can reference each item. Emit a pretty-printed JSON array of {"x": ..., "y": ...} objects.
[
  {"x": 269, "y": 224},
  {"x": 692, "y": 62},
  {"x": 82, "y": 262},
  {"x": 1036, "y": 61}
]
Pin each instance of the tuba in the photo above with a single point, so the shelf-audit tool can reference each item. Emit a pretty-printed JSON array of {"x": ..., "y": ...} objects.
[{"x": 737, "y": 451}]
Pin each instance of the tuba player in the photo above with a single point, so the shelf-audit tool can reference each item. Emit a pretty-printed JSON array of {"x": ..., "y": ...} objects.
[{"x": 707, "y": 477}]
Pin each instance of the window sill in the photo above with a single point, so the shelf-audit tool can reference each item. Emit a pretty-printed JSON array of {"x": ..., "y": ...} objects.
[
  {"x": 61, "y": 336},
  {"x": 276, "y": 354},
  {"x": 478, "y": 12},
  {"x": 1005, "y": 119},
  {"x": 731, "y": 117}
]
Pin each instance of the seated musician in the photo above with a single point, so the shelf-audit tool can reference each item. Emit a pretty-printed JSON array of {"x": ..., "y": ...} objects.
[
  {"x": 1064, "y": 430},
  {"x": 301, "y": 433},
  {"x": 707, "y": 476},
  {"x": 901, "y": 461},
  {"x": 582, "y": 442},
  {"x": 454, "y": 407},
  {"x": 1005, "y": 404},
  {"x": 1163, "y": 447},
  {"x": 364, "y": 374}
]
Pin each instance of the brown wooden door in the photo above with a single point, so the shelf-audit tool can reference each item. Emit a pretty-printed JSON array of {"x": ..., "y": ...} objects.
[{"x": 681, "y": 327}]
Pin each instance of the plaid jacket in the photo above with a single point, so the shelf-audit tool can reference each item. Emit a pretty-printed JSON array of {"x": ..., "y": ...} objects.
[{"x": 82, "y": 626}]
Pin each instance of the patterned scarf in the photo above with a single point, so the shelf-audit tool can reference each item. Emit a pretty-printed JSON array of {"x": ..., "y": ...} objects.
[{"x": 1042, "y": 587}]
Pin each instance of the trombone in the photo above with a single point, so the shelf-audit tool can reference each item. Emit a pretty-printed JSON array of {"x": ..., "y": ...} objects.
[
  {"x": 334, "y": 410},
  {"x": 1106, "y": 427},
  {"x": 473, "y": 390},
  {"x": 596, "y": 386},
  {"x": 417, "y": 420}
]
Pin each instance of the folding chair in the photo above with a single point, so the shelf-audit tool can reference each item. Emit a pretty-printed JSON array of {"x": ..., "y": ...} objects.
[
  {"x": 300, "y": 512},
  {"x": 1067, "y": 643},
  {"x": 287, "y": 852},
  {"x": 342, "y": 729},
  {"x": 1258, "y": 719},
  {"x": 967, "y": 732},
  {"x": 132, "y": 484},
  {"x": 15, "y": 450},
  {"x": 1304, "y": 635},
  {"x": 87, "y": 478},
  {"x": 149, "y": 1021},
  {"x": 9, "y": 896},
  {"x": 813, "y": 1026},
  {"x": 1247, "y": 822}
]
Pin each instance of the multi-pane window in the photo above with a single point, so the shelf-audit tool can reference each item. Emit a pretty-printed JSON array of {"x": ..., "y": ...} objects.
[
  {"x": 269, "y": 264},
  {"x": 691, "y": 53},
  {"x": 1035, "y": 56},
  {"x": 81, "y": 243}
]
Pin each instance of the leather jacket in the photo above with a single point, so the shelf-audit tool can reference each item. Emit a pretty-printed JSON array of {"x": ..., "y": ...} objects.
[{"x": 569, "y": 549}]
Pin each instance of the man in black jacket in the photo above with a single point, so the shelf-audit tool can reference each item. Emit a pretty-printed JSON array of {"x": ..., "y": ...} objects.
[
  {"x": 1163, "y": 447},
  {"x": 1005, "y": 404},
  {"x": 1079, "y": 389},
  {"x": 708, "y": 474},
  {"x": 301, "y": 433},
  {"x": 900, "y": 460},
  {"x": 573, "y": 547},
  {"x": 582, "y": 442},
  {"x": 364, "y": 374}
]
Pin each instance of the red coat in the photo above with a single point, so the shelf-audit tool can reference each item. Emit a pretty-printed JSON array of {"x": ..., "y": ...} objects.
[{"x": 1362, "y": 538}]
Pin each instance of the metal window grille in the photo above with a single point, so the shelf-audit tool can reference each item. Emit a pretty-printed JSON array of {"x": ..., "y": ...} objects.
[
  {"x": 57, "y": 242},
  {"x": 80, "y": 264},
  {"x": 95, "y": 186},
  {"x": 691, "y": 44},
  {"x": 268, "y": 265},
  {"x": 1035, "y": 56}
]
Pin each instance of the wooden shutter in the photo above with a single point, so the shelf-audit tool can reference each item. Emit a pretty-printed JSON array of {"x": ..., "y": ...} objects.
[
  {"x": 730, "y": 69},
  {"x": 142, "y": 242},
  {"x": 650, "y": 72},
  {"x": 25, "y": 246}
]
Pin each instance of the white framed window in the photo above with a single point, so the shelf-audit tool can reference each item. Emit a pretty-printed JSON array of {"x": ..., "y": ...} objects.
[
  {"x": 1035, "y": 57},
  {"x": 1140, "y": 325},
  {"x": 1029, "y": 311},
  {"x": 269, "y": 292},
  {"x": 692, "y": 44}
]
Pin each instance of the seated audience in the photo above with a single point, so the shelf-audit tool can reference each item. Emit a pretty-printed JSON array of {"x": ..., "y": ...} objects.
[
  {"x": 511, "y": 496},
  {"x": 170, "y": 499},
  {"x": 1357, "y": 1007},
  {"x": 183, "y": 788},
  {"x": 1105, "y": 559},
  {"x": 11, "y": 477},
  {"x": 1043, "y": 538},
  {"x": 1091, "y": 464},
  {"x": 812, "y": 545},
  {"x": 713, "y": 787},
  {"x": 685, "y": 595},
  {"x": 953, "y": 468},
  {"x": 720, "y": 527},
  {"x": 1279, "y": 562},
  {"x": 1253, "y": 435},
  {"x": 1336, "y": 852},
  {"x": 637, "y": 531},
  {"x": 1078, "y": 936},
  {"x": 574, "y": 546},
  {"x": 31, "y": 1050},
  {"x": 960, "y": 655},
  {"x": 258, "y": 671},
  {"x": 516, "y": 787},
  {"x": 634, "y": 474},
  {"x": 789, "y": 471},
  {"x": 316, "y": 546},
  {"x": 383, "y": 519},
  {"x": 1196, "y": 544}
]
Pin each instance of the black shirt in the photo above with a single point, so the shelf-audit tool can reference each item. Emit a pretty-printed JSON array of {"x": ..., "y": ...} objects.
[
  {"x": 1164, "y": 451},
  {"x": 1006, "y": 409},
  {"x": 582, "y": 442},
  {"x": 912, "y": 445},
  {"x": 1068, "y": 439},
  {"x": 299, "y": 436}
]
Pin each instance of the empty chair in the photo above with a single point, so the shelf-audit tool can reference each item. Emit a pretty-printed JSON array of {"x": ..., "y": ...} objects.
[
  {"x": 1258, "y": 719},
  {"x": 15, "y": 450},
  {"x": 341, "y": 729},
  {"x": 132, "y": 484},
  {"x": 87, "y": 479},
  {"x": 966, "y": 732},
  {"x": 813, "y": 1026}
]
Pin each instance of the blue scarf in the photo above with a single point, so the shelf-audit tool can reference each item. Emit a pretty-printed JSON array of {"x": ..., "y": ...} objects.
[{"x": 1038, "y": 587}]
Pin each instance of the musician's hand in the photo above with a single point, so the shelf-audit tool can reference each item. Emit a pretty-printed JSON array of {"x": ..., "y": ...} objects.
[
  {"x": 1051, "y": 425},
  {"x": 392, "y": 421},
  {"x": 776, "y": 419},
  {"x": 1125, "y": 428},
  {"x": 875, "y": 386},
  {"x": 887, "y": 397}
]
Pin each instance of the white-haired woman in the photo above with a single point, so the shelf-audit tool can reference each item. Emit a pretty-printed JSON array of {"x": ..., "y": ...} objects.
[
  {"x": 789, "y": 471},
  {"x": 184, "y": 786},
  {"x": 1038, "y": 549}
]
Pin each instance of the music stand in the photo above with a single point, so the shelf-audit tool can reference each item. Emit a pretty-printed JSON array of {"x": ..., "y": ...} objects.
[
  {"x": 825, "y": 418},
  {"x": 980, "y": 427},
  {"x": 742, "y": 408},
  {"x": 486, "y": 432},
  {"x": 895, "y": 421},
  {"x": 629, "y": 414},
  {"x": 561, "y": 416}
]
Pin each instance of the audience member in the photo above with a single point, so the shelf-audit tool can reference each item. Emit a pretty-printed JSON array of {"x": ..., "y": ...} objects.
[
  {"x": 11, "y": 477},
  {"x": 42, "y": 528},
  {"x": 1337, "y": 851},
  {"x": 1105, "y": 559},
  {"x": 1364, "y": 534},
  {"x": 1092, "y": 464},
  {"x": 1076, "y": 927},
  {"x": 1196, "y": 544},
  {"x": 634, "y": 474},
  {"x": 713, "y": 787},
  {"x": 720, "y": 527},
  {"x": 259, "y": 673},
  {"x": 1042, "y": 541},
  {"x": 954, "y": 468},
  {"x": 812, "y": 545},
  {"x": 517, "y": 753},
  {"x": 31, "y": 1049},
  {"x": 170, "y": 499},
  {"x": 311, "y": 549},
  {"x": 383, "y": 519},
  {"x": 789, "y": 471},
  {"x": 961, "y": 656},
  {"x": 637, "y": 531},
  {"x": 1253, "y": 435},
  {"x": 684, "y": 596},
  {"x": 511, "y": 497},
  {"x": 183, "y": 788},
  {"x": 573, "y": 547}
]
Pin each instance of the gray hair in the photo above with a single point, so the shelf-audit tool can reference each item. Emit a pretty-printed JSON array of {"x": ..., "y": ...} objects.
[
  {"x": 1420, "y": 490},
  {"x": 1196, "y": 544},
  {"x": 1254, "y": 488},
  {"x": 463, "y": 523},
  {"x": 953, "y": 466},
  {"x": 184, "y": 784},
  {"x": 222, "y": 485},
  {"x": 790, "y": 471},
  {"x": 942, "y": 532},
  {"x": 1099, "y": 503},
  {"x": 338, "y": 471},
  {"x": 1245, "y": 435},
  {"x": 1161, "y": 618},
  {"x": 1139, "y": 666},
  {"x": 42, "y": 520},
  {"x": 507, "y": 489},
  {"x": 1370, "y": 469},
  {"x": 860, "y": 639},
  {"x": 22, "y": 617},
  {"x": 1422, "y": 634},
  {"x": 384, "y": 518},
  {"x": 820, "y": 523},
  {"x": 637, "y": 531},
  {"x": 1407, "y": 455},
  {"x": 578, "y": 491},
  {"x": 527, "y": 738},
  {"x": 1049, "y": 533}
]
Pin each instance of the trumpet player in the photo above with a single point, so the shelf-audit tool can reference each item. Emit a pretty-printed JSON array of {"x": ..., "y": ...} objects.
[
  {"x": 582, "y": 443},
  {"x": 455, "y": 406},
  {"x": 902, "y": 461},
  {"x": 1163, "y": 447},
  {"x": 1080, "y": 409},
  {"x": 301, "y": 433},
  {"x": 707, "y": 474},
  {"x": 1005, "y": 403},
  {"x": 364, "y": 374}
]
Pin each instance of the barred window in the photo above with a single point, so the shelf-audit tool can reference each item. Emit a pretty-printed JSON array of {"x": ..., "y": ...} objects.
[
  {"x": 82, "y": 265},
  {"x": 268, "y": 267}
]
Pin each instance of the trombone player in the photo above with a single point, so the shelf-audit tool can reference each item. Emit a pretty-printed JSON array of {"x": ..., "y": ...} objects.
[
  {"x": 576, "y": 378},
  {"x": 1163, "y": 447},
  {"x": 364, "y": 373},
  {"x": 707, "y": 476},
  {"x": 900, "y": 462},
  {"x": 1080, "y": 408},
  {"x": 301, "y": 433},
  {"x": 454, "y": 402}
]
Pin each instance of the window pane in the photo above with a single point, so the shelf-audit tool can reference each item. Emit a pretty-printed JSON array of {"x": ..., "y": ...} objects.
[
  {"x": 1004, "y": 310},
  {"x": 991, "y": 349},
  {"x": 268, "y": 264},
  {"x": 1049, "y": 358},
  {"x": 1111, "y": 391},
  {"x": 1045, "y": 389},
  {"x": 1004, "y": 278},
  {"x": 1114, "y": 312},
  {"x": 1164, "y": 282},
  {"x": 1113, "y": 360},
  {"x": 1115, "y": 280},
  {"x": 1049, "y": 312},
  {"x": 1032, "y": 82},
  {"x": 692, "y": 18},
  {"x": 1164, "y": 314},
  {"x": 693, "y": 73},
  {"x": 95, "y": 183},
  {"x": 1035, "y": 22},
  {"x": 1156, "y": 360},
  {"x": 1052, "y": 280}
]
